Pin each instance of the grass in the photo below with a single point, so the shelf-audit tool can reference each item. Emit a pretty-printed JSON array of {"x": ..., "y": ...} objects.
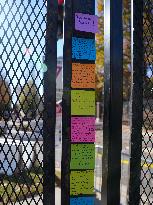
[
  {"x": 17, "y": 187},
  {"x": 27, "y": 184}
]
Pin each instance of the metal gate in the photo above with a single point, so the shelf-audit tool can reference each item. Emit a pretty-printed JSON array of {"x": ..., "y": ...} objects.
[
  {"x": 28, "y": 58},
  {"x": 28, "y": 36},
  {"x": 28, "y": 63},
  {"x": 141, "y": 170}
]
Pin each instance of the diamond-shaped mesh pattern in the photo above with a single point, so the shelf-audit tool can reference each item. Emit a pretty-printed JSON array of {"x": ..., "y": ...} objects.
[
  {"x": 147, "y": 143},
  {"x": 22, "y": 46}
]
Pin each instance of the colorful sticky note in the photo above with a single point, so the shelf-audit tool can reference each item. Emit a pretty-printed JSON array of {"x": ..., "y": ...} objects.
[
  {"x": 82, "y": 156},
  {"x": 81, "y": 182},
  {"x": 86, "y": 22},
  {"x": 83, "y": 75},
  {"x": 82, "y": 200},
  {"x": 82, "y": 102},
  {"x": 83, "y": 129},
  {"x": 83, "y": 48}
]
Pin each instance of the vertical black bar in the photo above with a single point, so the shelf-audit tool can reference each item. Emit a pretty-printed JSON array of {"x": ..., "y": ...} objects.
[
  {"x": 137, "y": 58},
  {"x": 66, "y": 105},
  {"x": 112, "y": 131},
  {"x": 50, "y": 103},
  {"x": 71, "y": 7}
]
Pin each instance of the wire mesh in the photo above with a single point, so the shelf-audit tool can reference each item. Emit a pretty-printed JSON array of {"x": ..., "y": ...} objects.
[
  {"x": 22, "y": 46},
  {"x": 147, "y": 137}
]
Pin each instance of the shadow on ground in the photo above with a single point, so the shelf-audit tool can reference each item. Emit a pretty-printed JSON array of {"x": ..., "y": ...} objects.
[{"x": 98, "y": 202}]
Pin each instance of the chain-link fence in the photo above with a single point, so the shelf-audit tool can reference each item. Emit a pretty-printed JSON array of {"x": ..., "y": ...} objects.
[
  {"x": 147, "y": 140},
  {"x": 22, "y": 50}
]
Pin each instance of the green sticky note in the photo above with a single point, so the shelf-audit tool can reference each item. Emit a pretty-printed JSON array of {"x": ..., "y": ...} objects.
[
  {"x": 82, "y": 102},
  {"x": 81, "y": 182},
  {"x": 82, "y": 156}
]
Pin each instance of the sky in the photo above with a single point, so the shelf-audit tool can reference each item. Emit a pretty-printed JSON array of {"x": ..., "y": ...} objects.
[
  {"x": 22, "y": 35},
  {"x": 22, "y": 41},
  {"x": 60, "y": 47}
]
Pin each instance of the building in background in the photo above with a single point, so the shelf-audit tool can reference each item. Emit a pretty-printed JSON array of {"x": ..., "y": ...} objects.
[{"x": 59, "y": 79}]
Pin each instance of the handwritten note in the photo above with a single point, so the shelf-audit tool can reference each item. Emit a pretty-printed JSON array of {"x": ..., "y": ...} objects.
[
  {"x": 81, "y": 182},
  {"x": 82, "y": 156},
  {"x": 82, "y": 102},
  {"x": 86, "y": 22},
  {"x": 82, "y": 201},
  {"x": 83, "y": 75},
  {"x": 83, "y": 129},
  {"x": 83, "y": 48}
]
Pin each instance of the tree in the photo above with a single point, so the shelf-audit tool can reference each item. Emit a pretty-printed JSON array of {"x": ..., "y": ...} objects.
[
  {"x": 29, "y": 99},
  {"x": 5, "y": 96},
  {"x": 100, "y": 51},
  {"x": 126, "y": 49},
  {"x": 148, "y": 47}
]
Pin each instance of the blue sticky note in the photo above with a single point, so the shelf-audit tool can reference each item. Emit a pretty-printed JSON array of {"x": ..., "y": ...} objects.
[
  {"x": 82, "y": 201},
  {"x": 84, "y": 49}
]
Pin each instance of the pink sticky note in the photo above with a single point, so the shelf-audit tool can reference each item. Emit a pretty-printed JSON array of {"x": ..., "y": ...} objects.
[
  {"x": 83, "y": 129},
  {"x": 86, "y": 22}
]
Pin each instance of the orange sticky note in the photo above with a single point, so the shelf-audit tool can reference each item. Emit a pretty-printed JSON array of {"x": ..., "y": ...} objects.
[{"x": 83, "y": 75}]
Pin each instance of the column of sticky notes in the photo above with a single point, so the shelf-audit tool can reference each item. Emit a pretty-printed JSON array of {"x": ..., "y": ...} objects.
[{"x": 83, "y": 112}]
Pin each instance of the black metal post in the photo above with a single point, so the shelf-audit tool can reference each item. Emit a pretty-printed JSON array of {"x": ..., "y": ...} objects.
[
  {"x": 112, "y": 137},
  {"x": 136, "y": 101},
  {"x": 71, "y": 7},
  {"x": 50, "y": 103},
  {"x": 66, "y": 105}
]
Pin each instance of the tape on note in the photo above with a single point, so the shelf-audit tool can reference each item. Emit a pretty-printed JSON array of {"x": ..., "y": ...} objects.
[
  {"x": 83, "y": 75},
  {"x": 82, "y": 102},
  {"x": 81, "y": 182},
  {"x": 86, "y": 22},
  {"x": 83, "y": 48},
  {"x": 82, "y": 156},
  {"x": 82, "y": 201},
  {"x": 83, "y": 129}
]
